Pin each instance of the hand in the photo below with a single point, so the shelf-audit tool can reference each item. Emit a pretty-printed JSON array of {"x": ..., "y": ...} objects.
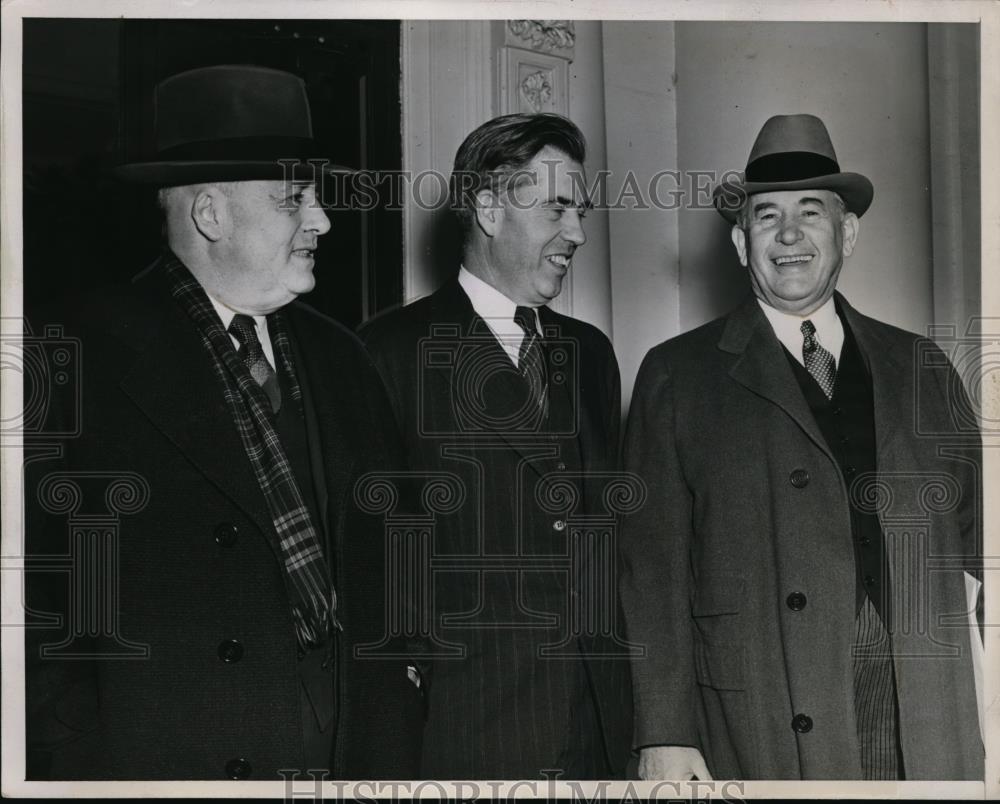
[{"x": 674, "y": 762}]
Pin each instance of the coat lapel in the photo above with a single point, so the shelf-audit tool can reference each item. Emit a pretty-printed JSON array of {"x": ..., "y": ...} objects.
[
  {"x": 323, "y": 398},
  {"x": 174, "y": 384},
  {"x": 892, "y": 383},
  {"x": 761, "y": 366}
]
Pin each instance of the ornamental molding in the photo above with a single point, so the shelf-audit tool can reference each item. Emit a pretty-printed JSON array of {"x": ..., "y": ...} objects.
[
  {"x": 545, "y": 36},
  {"x": 537, "y": 90}
]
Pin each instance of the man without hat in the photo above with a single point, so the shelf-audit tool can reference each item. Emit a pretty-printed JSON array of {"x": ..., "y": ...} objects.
[
  {"x": 793, "y": 630},
  {"x": 228, "y": 424},
  {"x": 521, "y": 405}
]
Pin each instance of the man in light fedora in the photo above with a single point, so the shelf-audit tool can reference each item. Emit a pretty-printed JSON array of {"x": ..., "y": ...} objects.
[
  {"x": 235, "y": 421},
  {"x": 803, "y": 573}
]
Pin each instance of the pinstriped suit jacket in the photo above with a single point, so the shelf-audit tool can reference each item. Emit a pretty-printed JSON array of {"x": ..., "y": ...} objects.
[{"x": 509, "y": 669}]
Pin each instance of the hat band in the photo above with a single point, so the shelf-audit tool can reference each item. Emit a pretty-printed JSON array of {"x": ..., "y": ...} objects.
[
  {"x": 242, "y": 149},
  {"x": 790, "y": 166}
]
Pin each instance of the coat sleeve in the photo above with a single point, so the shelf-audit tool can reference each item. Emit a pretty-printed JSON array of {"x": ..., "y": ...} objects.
[{"x": 656, "y": 579}]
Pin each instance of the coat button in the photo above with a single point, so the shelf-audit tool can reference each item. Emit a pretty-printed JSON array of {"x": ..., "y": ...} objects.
[
  {"x": 796, "y": 601},
  {"x": 802, "y": 724},
  {"x": 869, "y": 580},
  {"x": 559, "y": 525},
  {"x": 799, "y": 478},
  {"x": 226, "y": 534},
  {"x": 837, "y": 411},
  {"x": 231, "y": 650},
  {"x": 865, "y": 540},
  {"x": 238, "y": 769},
  {"x": 850, "y": 471},
  {"x": 561, "y": 466}
]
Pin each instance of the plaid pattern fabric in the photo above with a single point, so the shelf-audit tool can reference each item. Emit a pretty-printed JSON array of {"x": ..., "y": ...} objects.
[
  {"x": 314, "y": 601},
  {"x": 819, "y": 362}
]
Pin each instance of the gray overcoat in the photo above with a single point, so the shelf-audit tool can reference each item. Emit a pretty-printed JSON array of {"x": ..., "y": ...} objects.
[{"x": 723, "y": 437}]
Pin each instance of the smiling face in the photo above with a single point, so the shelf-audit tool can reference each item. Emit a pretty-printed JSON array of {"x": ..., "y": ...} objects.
[
  {"x": 267, "y": 248},
  {"x": 534, "y": 229},
  {"x": 794, "y": 245}
]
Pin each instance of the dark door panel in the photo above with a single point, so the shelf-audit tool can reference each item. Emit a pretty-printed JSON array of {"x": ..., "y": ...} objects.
[{"x": 88, "y": 106}]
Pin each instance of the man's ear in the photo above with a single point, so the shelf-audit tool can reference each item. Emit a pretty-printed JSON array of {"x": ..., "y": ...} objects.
[
  {"x": 740, "y": 241},
  {"x": 850, "y": 226},
  {"x": 208, "y": 210},
  {"x": 489, "y": 212}
]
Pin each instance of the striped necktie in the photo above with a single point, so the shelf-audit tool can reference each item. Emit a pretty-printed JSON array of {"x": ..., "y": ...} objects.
[{"x": 530, "y": 357}]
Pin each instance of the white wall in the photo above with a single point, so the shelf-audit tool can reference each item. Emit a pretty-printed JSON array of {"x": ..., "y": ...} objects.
[{"x": 641, "y": 128}]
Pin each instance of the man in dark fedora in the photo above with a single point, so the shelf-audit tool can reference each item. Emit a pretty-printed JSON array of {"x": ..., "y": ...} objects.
[
  {"x": 223, "y": 425},
  {"x": 521, "y": 404},
  {"x": 804, "y": 570}
]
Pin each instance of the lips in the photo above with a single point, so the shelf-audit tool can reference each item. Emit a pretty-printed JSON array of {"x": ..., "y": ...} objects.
[
  {"x": 793, "y": 259},
  {"x": 561, "y": 261},
  {"x": 306, "y": 253}
]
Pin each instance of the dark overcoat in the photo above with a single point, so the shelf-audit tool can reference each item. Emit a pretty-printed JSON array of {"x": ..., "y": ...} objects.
[
  {"x": 747, "y": 505},
  {"x": 508, "y": 620},
  {"x": 198, "y": 670}
]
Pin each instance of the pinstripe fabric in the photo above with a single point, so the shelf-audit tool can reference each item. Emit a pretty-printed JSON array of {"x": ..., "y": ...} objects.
[
  {"x": 314, "y": 600},
  {"x": 875, "y": 697}
]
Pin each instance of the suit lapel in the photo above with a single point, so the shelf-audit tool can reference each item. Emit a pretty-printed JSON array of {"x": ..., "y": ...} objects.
[
  {"x": 479, "y": 350},
  {"x": 761, "y": 366},
  {"x": 174, "y": 384}
]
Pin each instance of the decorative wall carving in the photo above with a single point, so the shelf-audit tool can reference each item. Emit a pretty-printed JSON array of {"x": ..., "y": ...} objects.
[
  {"x": 536, "y": 89},
  {"x": 544, "y": 35}
]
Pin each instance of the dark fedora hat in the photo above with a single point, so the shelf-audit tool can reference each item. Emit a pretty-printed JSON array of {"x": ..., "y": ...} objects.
[
  {"x": 792, "y": 152},
  {"x": 230, "y": 123}
]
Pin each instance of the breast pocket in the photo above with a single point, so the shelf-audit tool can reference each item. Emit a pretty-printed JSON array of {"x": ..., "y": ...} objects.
[{"x": 720, "y": 653}]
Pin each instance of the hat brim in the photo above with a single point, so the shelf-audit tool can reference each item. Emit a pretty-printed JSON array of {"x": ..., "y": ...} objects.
[
  {"x": 856, "y": 190},
  {"x": 176, "y": 173}
]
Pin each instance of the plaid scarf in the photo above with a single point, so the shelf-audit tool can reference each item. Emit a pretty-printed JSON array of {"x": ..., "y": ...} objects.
[{"x": 314, "y": 600}]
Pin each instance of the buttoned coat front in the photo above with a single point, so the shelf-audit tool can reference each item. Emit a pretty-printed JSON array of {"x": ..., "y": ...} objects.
[
  {"x": 746, "y": 506},
  {"x": 195, "y": 674}
]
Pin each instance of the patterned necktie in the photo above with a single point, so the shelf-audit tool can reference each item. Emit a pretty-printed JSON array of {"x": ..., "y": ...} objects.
[
  {"x": 252, "y": 354},
  {"x": 530, "y": 357},
  {"x": 819, "y": 362}
]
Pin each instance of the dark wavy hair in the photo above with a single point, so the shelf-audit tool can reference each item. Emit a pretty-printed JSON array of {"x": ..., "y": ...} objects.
[{"x": 501, "y": 147}]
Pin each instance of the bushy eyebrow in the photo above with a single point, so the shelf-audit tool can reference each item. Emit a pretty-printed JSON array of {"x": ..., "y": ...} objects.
[
  {"x": 569, "y": 202},
  {"x": 808, "y": 199}
]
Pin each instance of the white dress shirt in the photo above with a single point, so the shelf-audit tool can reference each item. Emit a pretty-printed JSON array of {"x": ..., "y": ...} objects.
[
  {"x": 829, "y": 329},
  {"x": 496, "y": 310},
  {"x": 227, "y": 316}
]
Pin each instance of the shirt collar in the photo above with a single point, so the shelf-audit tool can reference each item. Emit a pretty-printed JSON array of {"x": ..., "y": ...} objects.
[
  {"x": 489, "y": 303},
  {"x": 228, "y": 315},
  {"x": 787, "y": 327}
]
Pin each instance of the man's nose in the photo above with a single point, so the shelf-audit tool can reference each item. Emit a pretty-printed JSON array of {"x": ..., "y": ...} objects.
[
  {"x": 573, "y": 228},
  {"x": 314, "y": 218},
  {"x": 789, "y": 233}
]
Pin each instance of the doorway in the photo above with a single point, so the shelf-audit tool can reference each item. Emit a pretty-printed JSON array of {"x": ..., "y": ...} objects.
[{"x": 87, "y": 106}]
